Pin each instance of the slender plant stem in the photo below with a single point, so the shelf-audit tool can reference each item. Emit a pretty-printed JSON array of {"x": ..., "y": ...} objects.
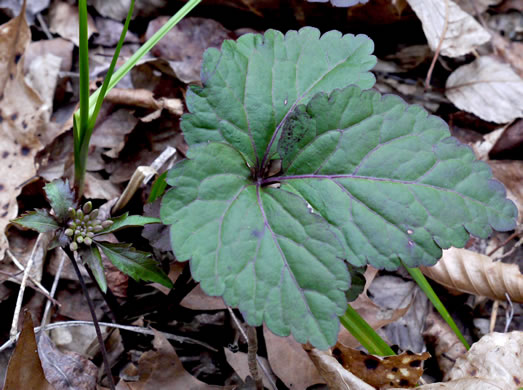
[
  {"x": 252, "y": 351},
  {"x": 93, "y": 315},
  {"x": 364, "y": 333},
  {"x": 424, "y": 284}
]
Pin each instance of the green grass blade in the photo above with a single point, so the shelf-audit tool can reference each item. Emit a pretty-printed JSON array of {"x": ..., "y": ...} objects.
[
  {"x": 364, "y": 333},
  {"x": 103, "y": 89},
  {"x": 144, "y": 49},
  {"x": 423, "y": 283}
]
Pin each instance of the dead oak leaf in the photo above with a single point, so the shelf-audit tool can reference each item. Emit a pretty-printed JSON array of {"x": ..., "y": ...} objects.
[
  {"x": 395, "y": 371},
  {"x": 23, "y": 115}
]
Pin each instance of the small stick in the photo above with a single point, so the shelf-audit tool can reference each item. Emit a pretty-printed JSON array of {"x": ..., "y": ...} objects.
[
  {"x": 46, "y": 317},
  {"x": 493, "y": 316},
  {"x": 130, "y": 328},
  {"x": 31, "y": 278},
  {"x": 438, "y": 49},
  {"x": 513, "y": 235},
  {"x": 252, "y": 350},
  {"x": 14, "y": 324},
  {"x": 93, "y": 315},
  {"x": 509, "y": 314}
]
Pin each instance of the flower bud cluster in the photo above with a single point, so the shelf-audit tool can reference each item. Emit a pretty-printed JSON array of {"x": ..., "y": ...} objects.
[{"x": 83, "y": 225}]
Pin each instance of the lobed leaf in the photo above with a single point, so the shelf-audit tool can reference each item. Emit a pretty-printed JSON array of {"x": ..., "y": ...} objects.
[
  {"x": 61, "y": 197},
  {"x": 260, "y": 248},
  {"x": 252, "y": 84},
  {"x": 39, "y": 220},
  {"x": 390, "y": 177},
  {"x": 137, "y": 264},
  {"x": 363, "y": 177}
]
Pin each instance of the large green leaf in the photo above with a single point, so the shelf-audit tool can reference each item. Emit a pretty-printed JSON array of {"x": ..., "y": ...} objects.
[
  {"x": 390, "y": 177},
  {"x": 38, "y": 220},
  {"x": 363, "y": 178},
  {"x": 260, "y": 248},
  {"x": 252, "y": 84},
  {"x": 61, "y": 197},
  {"x": 137, "y": 264}
]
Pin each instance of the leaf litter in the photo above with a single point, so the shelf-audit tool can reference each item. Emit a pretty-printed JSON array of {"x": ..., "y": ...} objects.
[{"x": 115, "y": 164}]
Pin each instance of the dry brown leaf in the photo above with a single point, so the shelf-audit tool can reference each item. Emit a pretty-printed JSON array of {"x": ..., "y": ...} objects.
[
  {"x": 25, "y": 370},
  {"x": 111, "y": 132},
  {"x": 161, "y": 369},
  {"x": 510, "y": 173},
  {"x": 290, "y": 362},
  {"x": 183, "y": 46},
  {"x": 496, "y": 356},
  {"x": 474, "y": 273},
  {"x": 399, "y": 370},
  {"x": 488, "y": 88},
  {"x": 509, "y": 145},
  {"x": 376, "y": 316},
  {"x": 66, "y": 370},
  {"x": 447, "y": 347},
  {"x": 145, "y": 99},
  {"x": 463, "y": 32},
  {"x": 335, "y": 375},
  {"x": 23, "y": 116},
  {"x": 63, "y": 20},
  {"x": 511, "y": 51}
]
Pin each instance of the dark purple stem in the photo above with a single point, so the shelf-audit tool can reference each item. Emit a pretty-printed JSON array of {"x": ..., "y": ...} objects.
[{"x": 93, "y": 315}]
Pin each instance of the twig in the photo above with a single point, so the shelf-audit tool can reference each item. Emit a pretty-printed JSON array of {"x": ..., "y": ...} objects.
[
  {"x": 509, "y": 314},
  {"x": 43, "y": 25},
  {"x": 258, "y": 359},
  {"x": 493, "y": 316},
  {"x": 252, "y": 355},
  {"x": 129, "y": 328},
  {"x": 513, "y": 235},
  {"x": 440, "y": 44},
  {"x": 46, "y": 317},
  {"x": 95, "y": 320},
  {"x": 16, "y": 315},
  {"x": 20, "y": 266}
]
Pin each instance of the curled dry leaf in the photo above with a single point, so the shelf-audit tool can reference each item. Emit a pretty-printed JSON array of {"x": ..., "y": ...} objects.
[
  {"x": 334, "y": 374},
  {"x": 463, "y": 32},
  {"x": 496, "y": 356},
  {"x": 400, "y": 370},
  {"x": 447, "y": 347},
  {"x": 145, "y": 99},
  {"x": 23, "y": 115},
  {"x": 488, "y": 88},
  {"x": 474, "y": 273}
]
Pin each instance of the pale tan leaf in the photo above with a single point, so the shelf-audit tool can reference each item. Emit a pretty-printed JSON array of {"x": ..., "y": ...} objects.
[
  {"x": 496, "y": 356},
  {"x": 463, "y": 384},
  {"x": 239, "y": 362},
  {"x": 23, "y": 115},
  {"x": 488, "y": 88},
  {"x": 63, "y": 20},
  {"x": 334, "y": 374},
  {"x": 474, "y": 273},
  {"x": 463, "y": 32},
  {"x": 290, "y": 362}
]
